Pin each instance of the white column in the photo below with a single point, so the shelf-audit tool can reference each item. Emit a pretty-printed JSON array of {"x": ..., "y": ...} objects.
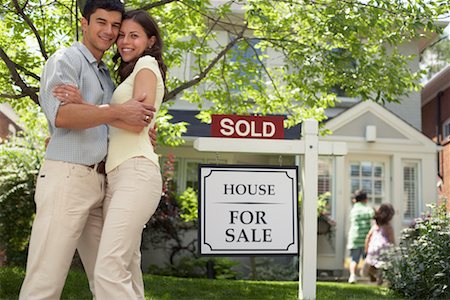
[{"x": 308, "y": 221}]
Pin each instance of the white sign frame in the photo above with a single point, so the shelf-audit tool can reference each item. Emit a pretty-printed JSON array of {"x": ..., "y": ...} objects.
[{"x": 262, "y": 231}]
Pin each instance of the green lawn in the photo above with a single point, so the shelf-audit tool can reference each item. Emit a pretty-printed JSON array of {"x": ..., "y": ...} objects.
[{"x": 160, "y": 287}]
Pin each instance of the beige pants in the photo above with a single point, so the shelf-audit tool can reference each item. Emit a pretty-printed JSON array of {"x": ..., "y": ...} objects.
[
  {"x": 69, "y": 216},
  {"x": 132, "y": 196}
]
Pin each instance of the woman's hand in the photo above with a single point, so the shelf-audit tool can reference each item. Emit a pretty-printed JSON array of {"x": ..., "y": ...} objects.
[{"x": 68, "y": 93}]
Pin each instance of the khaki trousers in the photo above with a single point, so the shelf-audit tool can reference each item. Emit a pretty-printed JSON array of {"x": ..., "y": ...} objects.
[
  {"x": 132, "y": 196},
  {"x": 69, "y": 216}
]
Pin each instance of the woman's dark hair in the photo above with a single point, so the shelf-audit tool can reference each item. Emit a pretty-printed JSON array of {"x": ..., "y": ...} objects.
[
  {"x": 151, "y": 29},
  {"x": 384, "y": 214},
  {"x": 360, "y": 195},
  {"x": 110, "y": 5}
]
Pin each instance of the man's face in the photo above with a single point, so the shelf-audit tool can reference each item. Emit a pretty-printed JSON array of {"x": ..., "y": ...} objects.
[{"x": 101, "y": 31}]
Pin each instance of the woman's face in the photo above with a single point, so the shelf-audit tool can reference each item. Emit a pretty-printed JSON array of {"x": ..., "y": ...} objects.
[{"x": 132, "y": 40}]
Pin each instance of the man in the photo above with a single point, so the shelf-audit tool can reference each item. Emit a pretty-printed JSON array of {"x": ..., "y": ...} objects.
[
  {"x": 71, "y": 183},
  {"x": 361, "y": 216}
]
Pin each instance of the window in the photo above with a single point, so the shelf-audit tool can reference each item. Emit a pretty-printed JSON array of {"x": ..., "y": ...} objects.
[
  {"x": 244, "y": 57},
  {"x": 410, "y": 190},
  {"x": 191, "y": 173},
  {"x": 369, "y": 176},
  {"x": 446, "y": 129},
  {"x": 325, "y": 180},
  {"x": 185, "y": 171}
]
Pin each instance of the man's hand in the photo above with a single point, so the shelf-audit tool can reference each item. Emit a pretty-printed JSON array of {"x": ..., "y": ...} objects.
[
  {"x": 135, "y": 112},
  {"x": 152, "y": 136}
]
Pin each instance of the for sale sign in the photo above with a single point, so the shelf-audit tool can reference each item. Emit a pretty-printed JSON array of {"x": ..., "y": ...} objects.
[{"x": 248, "y": 210}]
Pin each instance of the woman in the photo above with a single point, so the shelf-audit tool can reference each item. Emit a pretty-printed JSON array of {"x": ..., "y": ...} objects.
[
  {"x": 133, "y": 174},
  {"x": 379, "y": 238}
]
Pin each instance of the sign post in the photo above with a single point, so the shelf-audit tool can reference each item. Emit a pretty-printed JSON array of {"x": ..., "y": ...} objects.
[{"x": 310, "y": 147}]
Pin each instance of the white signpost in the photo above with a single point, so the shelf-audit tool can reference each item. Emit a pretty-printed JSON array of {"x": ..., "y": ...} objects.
[
  {"x": 248, "y": 210},
  {"x": 309, "y": 147}
]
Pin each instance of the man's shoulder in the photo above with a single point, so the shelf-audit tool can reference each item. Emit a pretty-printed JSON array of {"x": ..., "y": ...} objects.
[{"x": 69, "y": 55}]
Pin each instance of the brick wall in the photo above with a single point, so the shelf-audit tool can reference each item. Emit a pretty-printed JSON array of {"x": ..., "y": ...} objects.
[{"x": 429, "y": 115}]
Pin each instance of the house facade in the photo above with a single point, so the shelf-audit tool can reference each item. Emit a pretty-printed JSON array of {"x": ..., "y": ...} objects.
[
  {"x": 436, "y": 124},
  {"x": 8, "y": 121},
  {"x": 388, "y": 156}
]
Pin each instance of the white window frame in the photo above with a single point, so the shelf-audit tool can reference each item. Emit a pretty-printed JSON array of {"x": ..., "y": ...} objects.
[
  {"x": 418, "y": 207},
  {"x": 181, "y": 173},
  {"x": 385, "y": 195},
  {"x": 331, "y": 161},
  {"x": 446, "y": 129}
]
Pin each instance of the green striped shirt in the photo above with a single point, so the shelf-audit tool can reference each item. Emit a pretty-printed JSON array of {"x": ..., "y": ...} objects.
[{"x": 360, "y": 222}]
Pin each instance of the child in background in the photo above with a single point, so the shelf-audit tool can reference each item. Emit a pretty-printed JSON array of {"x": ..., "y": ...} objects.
[
  {"x": 380, "y": 236},
  {"x": 360, "y": 221}
]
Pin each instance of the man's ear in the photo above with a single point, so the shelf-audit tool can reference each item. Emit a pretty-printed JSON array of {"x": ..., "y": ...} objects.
[{"x": 84, "y": 24}]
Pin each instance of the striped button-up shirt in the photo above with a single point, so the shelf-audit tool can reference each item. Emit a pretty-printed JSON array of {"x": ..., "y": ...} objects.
[
  {"x": 360, "y": 221},
  {"x": 77, "y": 66}
]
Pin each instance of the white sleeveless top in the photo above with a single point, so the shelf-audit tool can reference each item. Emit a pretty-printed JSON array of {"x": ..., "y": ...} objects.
[{"x": 124, "y": 144}]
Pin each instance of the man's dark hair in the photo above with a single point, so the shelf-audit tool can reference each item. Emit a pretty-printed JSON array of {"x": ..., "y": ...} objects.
[
  {"x": 360, "y": 195},
  {"x": 110, "y": 5}
]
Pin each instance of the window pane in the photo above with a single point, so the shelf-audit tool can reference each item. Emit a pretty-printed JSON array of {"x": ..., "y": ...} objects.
[
  {"x": 191, "y": 175},
  {"x": 354, "y": 170},
  {"x": 366, "y": 169},
  {"x": 355, "y": 185},
  {"x": 378, "y": 171},
  {"x": 378, "y": 187},
  {"x": 367, "y": 186}
]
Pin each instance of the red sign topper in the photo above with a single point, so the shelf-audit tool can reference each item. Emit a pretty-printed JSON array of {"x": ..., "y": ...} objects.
[{"x": 258, "y": 127}]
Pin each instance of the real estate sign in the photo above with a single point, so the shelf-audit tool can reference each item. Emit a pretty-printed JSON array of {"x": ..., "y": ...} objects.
[
  {"x": 248, "y": 210},
  {"x": 256, "y": 127}
]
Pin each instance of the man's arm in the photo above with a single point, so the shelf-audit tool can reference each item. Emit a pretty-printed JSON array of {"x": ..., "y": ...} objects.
[{"x": 82, "y": 116}]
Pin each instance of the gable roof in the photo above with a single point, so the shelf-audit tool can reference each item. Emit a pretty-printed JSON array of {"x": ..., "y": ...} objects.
[{"x": 391, "y": 130}]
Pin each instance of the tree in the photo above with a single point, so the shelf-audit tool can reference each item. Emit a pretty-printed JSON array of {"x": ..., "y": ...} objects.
[
  {"x": 436, "y": 57},
  {"x": 261, "y": 56},
  {"x": 319, "y": 45}
]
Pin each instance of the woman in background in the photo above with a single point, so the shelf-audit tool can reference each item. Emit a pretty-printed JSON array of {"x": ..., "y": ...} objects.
[{"x": 380, "y": 237}]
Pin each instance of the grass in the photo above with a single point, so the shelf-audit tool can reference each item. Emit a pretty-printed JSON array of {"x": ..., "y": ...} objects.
[{"x": 171, "y": 288}]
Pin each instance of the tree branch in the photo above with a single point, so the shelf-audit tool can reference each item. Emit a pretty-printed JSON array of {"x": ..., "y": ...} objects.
[
  {"x": 264, "y": 68},
  {"x": 29, "y": 91},
  {"x": 32, "y": 27},
  {"x": 27, "y": 72},
  {"x": 8, "y": 96},
  {"x": 203, "y": 73},
  {"x": 157, "y": 4}
]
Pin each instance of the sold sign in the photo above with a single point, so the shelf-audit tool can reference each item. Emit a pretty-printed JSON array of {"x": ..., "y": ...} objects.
[{"x": 259, "y": 127}]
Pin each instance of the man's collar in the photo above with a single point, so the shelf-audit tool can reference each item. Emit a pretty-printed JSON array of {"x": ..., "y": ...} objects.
[{"x": 88, "y": 55}]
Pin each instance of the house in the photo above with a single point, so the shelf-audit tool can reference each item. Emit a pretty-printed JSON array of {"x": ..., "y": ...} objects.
[
  {"x": 388, "y": 156},
  {"x": 436, "y": 124},
  {"x": 9, "y": 121}
]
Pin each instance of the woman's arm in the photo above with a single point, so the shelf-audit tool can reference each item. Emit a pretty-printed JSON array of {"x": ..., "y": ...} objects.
[
  {"x": 144, "y": 83},
  {"x": 367, "y": 241},
  {"x": 390, "y": 234}
]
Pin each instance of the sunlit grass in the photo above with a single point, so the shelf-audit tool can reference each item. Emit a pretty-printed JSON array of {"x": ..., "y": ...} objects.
[{"x": 173, "y": 288}]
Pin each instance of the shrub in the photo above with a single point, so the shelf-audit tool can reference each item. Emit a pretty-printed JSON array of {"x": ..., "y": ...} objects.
[
  {"x": 420, "y": 267},
  {"x": 20, "y": 160}
]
